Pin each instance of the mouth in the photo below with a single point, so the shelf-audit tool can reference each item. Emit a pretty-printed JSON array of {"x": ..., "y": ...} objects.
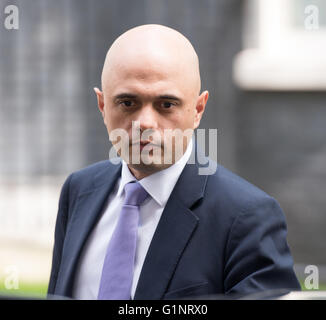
[{"x": 143, "y": 144}]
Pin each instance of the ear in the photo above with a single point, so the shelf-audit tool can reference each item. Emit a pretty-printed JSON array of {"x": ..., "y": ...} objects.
[
  {"x": 100, "y": 101},
  {"x": 200, "y": 107}
]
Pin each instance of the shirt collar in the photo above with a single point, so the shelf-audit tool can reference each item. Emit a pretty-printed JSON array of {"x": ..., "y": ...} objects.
[{"x": 153, "y": 183}]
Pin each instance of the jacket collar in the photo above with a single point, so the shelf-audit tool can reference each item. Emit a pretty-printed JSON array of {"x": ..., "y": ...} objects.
[
  {"x": 88, "y": 208},
  {"x": 172, "y": 235},
  {"x": 175, "y": 228}
]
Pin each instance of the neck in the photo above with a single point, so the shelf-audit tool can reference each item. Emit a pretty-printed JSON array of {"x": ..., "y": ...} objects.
[{"x": 140, "y": 173}]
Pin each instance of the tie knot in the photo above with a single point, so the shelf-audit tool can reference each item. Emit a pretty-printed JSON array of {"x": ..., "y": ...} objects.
[{"x": 135, "y": 194}]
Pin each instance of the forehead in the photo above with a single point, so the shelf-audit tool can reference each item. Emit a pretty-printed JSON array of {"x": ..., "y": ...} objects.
[
  {"x": 145, "y": 69},
  {"x": 145, "y": 76}
]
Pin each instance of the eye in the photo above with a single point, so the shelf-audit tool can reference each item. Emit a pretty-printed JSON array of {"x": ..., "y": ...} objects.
[
  {"x": 167, "y": 104},
  {"x": 127, "y": 103}
]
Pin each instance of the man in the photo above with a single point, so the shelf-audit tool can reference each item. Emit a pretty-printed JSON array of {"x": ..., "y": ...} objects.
[{"x": 186, "y": 234}]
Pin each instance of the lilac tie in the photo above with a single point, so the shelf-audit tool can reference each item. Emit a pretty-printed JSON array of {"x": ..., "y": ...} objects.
[{"x": 117, "y": 272}]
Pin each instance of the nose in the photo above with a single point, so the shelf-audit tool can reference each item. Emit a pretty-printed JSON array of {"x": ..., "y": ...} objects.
[{"x": 147, "y": 118}]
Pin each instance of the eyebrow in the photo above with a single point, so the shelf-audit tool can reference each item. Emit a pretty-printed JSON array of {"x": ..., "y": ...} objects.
[
  {"x": 124, "y": 96},
  {"x": 134, "y": 96},
  {"x": 169, "y": 97}
]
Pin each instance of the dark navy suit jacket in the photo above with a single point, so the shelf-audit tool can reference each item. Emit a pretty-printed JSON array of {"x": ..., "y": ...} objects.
[{"x": 218, "y": 234}]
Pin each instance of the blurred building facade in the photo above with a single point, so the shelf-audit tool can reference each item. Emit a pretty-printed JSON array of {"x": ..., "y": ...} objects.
[{"x": 50, "y": 126}]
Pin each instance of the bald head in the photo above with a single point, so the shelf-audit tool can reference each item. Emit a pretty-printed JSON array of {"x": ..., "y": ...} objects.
[
  {"x": 151, "y": 79},
  {"x": 150, "y": 50}
]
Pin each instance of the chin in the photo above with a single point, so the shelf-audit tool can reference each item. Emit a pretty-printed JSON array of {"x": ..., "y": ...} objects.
[{"x": 147, "y": 169}]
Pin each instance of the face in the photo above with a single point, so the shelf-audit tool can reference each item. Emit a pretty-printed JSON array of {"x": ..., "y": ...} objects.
[{"x": 158, "y": 109}]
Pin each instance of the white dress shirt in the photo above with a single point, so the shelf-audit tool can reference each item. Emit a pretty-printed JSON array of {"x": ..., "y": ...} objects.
[{"x": 159, "y": 186}]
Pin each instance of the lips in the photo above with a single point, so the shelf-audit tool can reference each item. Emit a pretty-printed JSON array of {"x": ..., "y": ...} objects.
[
  {"x": 143, "y": 144},
  {"x": 140, "y": 143}
]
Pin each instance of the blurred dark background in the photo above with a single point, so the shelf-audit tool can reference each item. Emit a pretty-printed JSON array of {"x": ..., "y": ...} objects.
[{"x": 50, "y": 125}]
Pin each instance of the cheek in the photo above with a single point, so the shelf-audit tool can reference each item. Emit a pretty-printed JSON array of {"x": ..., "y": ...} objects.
[
  {"x": 186, "y": 119},
  {"x": 113, "y": 120},
  {"x": 120, "y": 126}
]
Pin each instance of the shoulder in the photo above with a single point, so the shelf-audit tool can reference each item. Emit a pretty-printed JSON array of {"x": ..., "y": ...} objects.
[
  {"x": 235, "y": 194},
  {"x": 223, "y": 185},
  {"x": 91, "y": 169},
  {"x": 228, "y": 182},
  {"x": 83, "y": 179}
]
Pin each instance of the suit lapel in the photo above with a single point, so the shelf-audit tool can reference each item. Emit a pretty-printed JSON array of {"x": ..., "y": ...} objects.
[
  {"x": 175, "y": 228},
  {"x": 171, "y": 237},
  {"x": 88, "y": 208}
]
